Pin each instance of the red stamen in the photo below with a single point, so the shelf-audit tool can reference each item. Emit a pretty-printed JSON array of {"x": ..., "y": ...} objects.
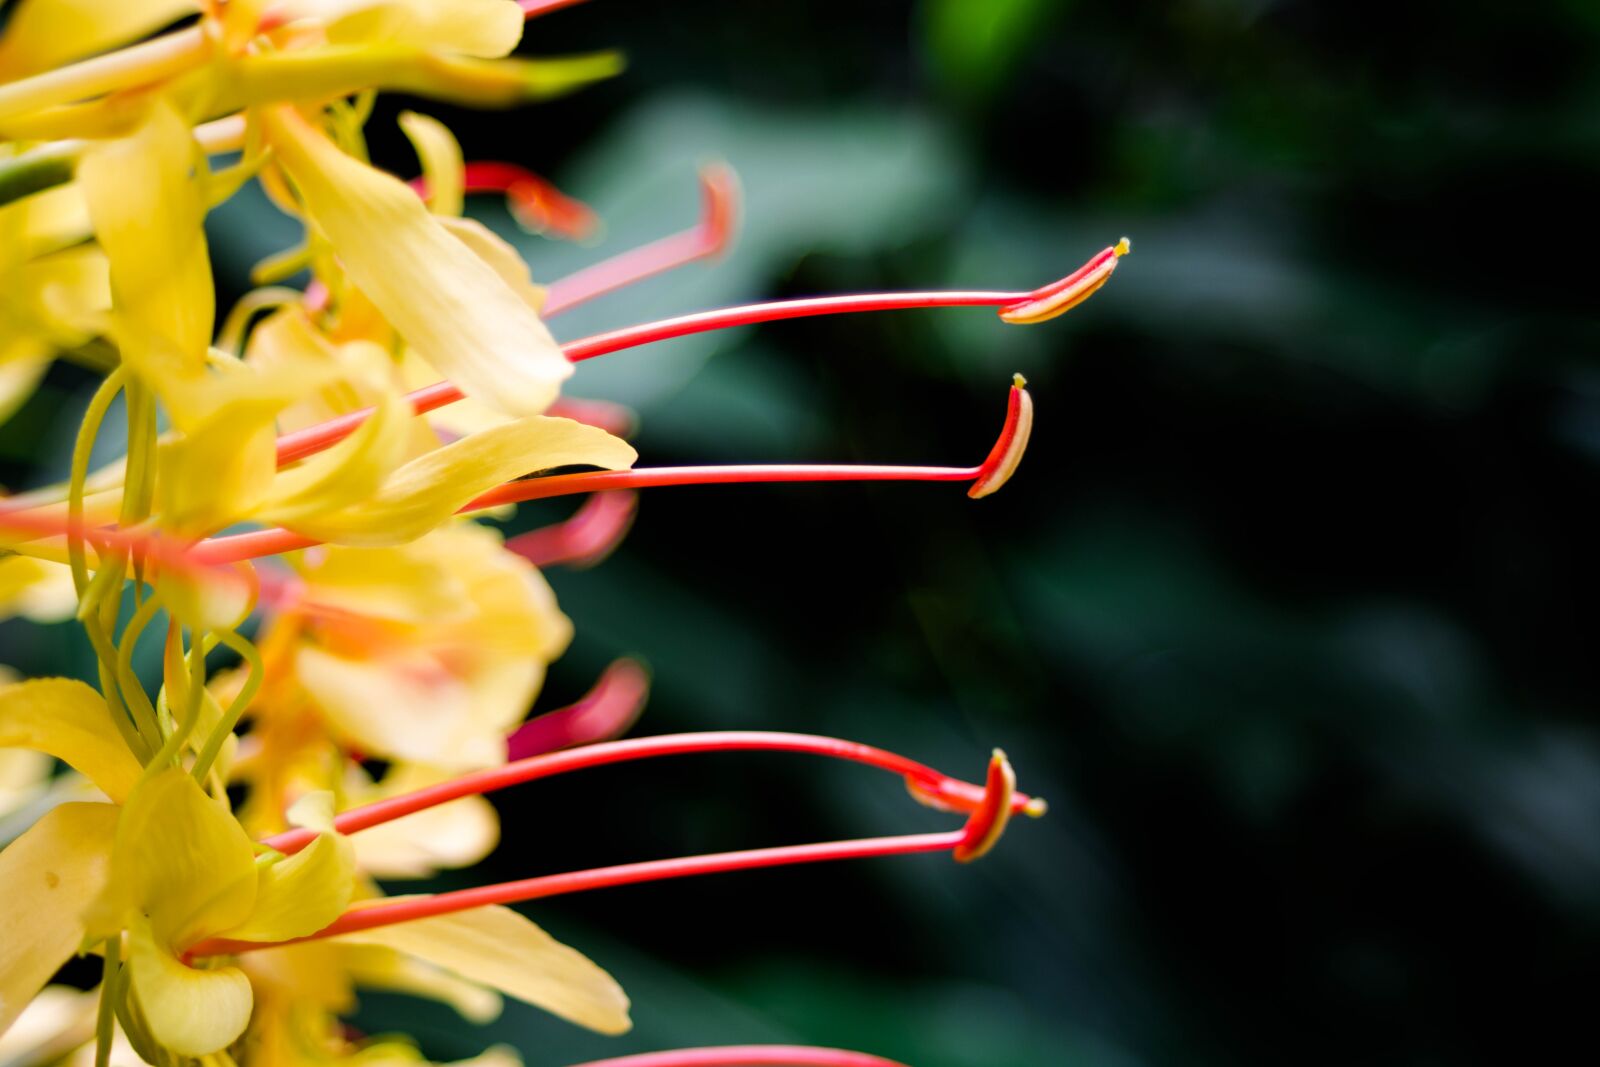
[
  {"x": 244, "y": 546},
  {"x": 313, "y": 439},
  {"x": 953, "y": 794},
  {"x": 591, "y": 535},
  {"x": 532, "y": 9},
  {"x": 748, "y": 1056},
  {"x": 390, "y": 912},
  {"x": 966, "y": 843},
  {"x": 605, "y": 712},
  {"x": 1006, "y": 454},
  {"x": 1060, "y": 297},
  {"x": 719, "y": 190}
]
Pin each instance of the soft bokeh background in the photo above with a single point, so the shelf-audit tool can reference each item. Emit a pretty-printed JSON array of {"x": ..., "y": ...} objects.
[{"x": 1285, "y": 612}]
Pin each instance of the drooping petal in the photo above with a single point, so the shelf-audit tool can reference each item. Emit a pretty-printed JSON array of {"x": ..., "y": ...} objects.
[
  {"x": 48, "y": 876},
  {"x": 191, "y": 1012},
  {"x": 302, "y": 894},
  {"x": 444, "y": 300},
  {"x": 426, "y": 491},
  {"x": 442, "y": 166},
  {"x": 147, "y": 211},
  {"x": 71, "y": 722},
  {"x": 505, "y": 950},
  {"x": 181, "y": 859},
  {"x": 377, "y": 967}
]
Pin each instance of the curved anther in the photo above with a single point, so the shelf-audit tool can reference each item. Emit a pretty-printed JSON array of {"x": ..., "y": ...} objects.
[
  {"x": 988, "y": 822},
  {"x": 1057, "y": 298},
  {"x": 1008, "y": 448}
]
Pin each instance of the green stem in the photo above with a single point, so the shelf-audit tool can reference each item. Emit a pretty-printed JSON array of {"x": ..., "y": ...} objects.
[
  {"x": 193, "y": 700},
  {"x": 132, "y": 689},
  {"x": 105, "y": 1017},
  {"x": 82, "y": 449},
  {"x": 230, "y": 718}
]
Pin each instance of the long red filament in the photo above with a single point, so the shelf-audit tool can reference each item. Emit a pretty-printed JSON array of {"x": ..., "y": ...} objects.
[
  {"x": 313, "y": 439},
  {"x": 234, "y": 548},
  {"x": 532, "y": 9},
  {"x": 390, "y": 912},
  {"x": 952, "y": 793},
  {"x": 719, "y": 191},
  {"x": 588, "y": 537},
  {"x": 604, "y": 713},
  {"x": 747, "y": 1056}
]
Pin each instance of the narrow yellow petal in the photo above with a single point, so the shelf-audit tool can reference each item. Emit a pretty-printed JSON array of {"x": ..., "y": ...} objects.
[
  {"x": 189, "y": 1011},
  {"x": 506, "y": 951},
  {"x": 445, "y": 301},
  {"x": 48, "y": 876},
  {"x": 425, "y": 492},
  {"x": 442, "y": 165},
  {"x": 302, "y": 894},
  {"x": 71, "y": 722},
  {"x": 147, "y": 208}
]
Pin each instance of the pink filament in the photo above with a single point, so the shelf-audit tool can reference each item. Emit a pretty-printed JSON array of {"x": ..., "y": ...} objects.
[
  {"x": 747, "y": 1056},
  {"x": 605, "y": 712}
]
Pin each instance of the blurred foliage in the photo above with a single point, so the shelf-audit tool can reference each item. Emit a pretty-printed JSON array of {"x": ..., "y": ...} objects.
[{"x": 1283, "y": 612}]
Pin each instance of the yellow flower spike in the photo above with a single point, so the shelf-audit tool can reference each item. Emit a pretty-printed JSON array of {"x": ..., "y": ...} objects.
[
  {"x": 502, "y": 949},
  {"x": 147, "y": 211},
  {"x": 443, "y": 168},
  {"x": 70, "y": 721},
  {"x": 48, "y": 876},
  {"x": 444, "y": 300},
  {"x": 424, "y": 493}
]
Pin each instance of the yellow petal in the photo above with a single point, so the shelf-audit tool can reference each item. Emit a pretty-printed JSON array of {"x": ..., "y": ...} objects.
[
  {"x": 457, "y": 834},
  {"x": 71, "y": 722},
  {"x": 428, "y": 490},
  {"x": 47, "y": 33},
  {"x": 441, "y": 297},
  {"x": 48, "y": 876},
  {"x": 57, "y": 1021},
  {"x": 442, "y": 165},
  {"x": 506, "y": 951},
  {"x": 147, "y": 208},
  {"x": 189, "y": 1011},
  {"x": 182, "y": 859},
  {"x": 376, "y": 967},
  {"x": 484, "y": 28},
  {"x": 406, "y": 706},
  {"x": 302, "y": 894},
  {"x": 36, "y": 589},
  {"x": 497, "y": 252}
]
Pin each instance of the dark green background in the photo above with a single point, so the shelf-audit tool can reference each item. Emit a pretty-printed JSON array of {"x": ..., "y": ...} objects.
[{"x": 1288, "y": 612}]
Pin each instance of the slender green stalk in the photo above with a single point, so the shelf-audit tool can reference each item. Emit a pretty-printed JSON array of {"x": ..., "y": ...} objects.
[
  {"x": 105, "y": 1017},
  {"x": 230, "y": 717}
]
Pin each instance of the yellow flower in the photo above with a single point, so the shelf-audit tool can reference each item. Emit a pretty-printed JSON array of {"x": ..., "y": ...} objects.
[{"x": 428, "y": 653}]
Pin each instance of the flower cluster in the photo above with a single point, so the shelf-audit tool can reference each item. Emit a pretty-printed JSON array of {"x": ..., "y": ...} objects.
[{"x": 300, "y": 491}]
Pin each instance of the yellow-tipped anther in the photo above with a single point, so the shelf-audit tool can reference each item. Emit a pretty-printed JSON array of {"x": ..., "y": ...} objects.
[
  {"x": 1059, "y": 297},
  {"x": 1037, "y": 808},
  {"x": 1019, "y": 381},
  {"x": 1123, "y": 247},
  {"x": 988, "y": 822}
]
